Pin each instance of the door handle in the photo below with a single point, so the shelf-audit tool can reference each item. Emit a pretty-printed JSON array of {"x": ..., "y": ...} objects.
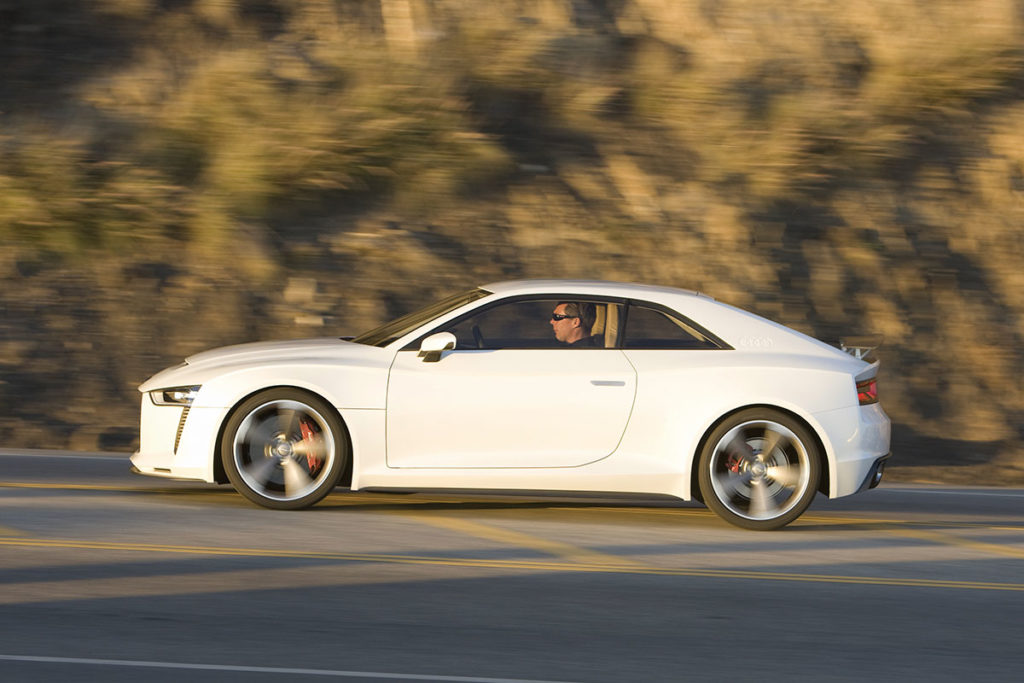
[{"x": 608, "y": 383}]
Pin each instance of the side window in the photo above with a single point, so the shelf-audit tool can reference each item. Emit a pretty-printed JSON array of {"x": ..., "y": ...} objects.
[
  {"x": 529, "y": 325},
  {"x": 517, "y": 325},
  {"x": 648, "y": 328}
]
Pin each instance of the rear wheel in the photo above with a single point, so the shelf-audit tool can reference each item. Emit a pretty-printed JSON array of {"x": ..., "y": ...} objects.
[
  {"x": 284, "y": 449},
  {"x": 759, "y": 469}
]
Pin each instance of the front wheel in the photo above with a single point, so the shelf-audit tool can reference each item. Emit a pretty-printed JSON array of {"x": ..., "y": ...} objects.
[
  {"x": 284, "y": 449},
  {"x": 759, "y": 469}
]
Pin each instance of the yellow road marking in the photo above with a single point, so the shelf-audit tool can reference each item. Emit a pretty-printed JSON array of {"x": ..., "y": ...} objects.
[
  {"x": 549, "y": 566},
  {"x": 949, "y": 539},
  {"x": 73, "y": 487},
  {"x": 175, "y": 582},
  {"x": 516, "y": 538},
  {"x": 883, "y": 522}
]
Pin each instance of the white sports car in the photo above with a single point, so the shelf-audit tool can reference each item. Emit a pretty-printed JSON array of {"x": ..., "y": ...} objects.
[{"x": 545, "y": 385}]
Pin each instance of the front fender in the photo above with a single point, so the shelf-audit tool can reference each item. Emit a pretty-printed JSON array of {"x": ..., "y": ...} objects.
[{"x": 343, "y": 386}]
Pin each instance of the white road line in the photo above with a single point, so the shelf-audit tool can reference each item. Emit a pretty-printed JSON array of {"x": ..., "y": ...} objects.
[{"x": 266, "y": 669}]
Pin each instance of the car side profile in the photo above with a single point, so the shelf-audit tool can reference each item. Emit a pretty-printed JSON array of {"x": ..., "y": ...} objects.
[{"x": 532, "y": 385}]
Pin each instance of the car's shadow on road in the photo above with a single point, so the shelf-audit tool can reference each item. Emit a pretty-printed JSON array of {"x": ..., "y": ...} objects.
[
  {"x": 641, "y": 507},
  {"x": 599, "y": 508}
]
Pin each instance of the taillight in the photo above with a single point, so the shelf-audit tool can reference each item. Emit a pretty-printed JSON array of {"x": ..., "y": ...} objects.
[{"x": 867, "y": 391}]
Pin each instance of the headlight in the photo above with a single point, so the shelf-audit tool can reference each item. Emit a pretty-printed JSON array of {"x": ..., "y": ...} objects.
[{"x": 175, "y": 396}]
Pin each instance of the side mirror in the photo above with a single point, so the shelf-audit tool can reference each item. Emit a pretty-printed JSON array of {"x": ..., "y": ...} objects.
[{"x": 432, "y": 346}]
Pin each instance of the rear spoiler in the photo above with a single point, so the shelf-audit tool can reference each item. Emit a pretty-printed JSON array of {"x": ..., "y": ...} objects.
[
  {"x": 858, "y": 352},
  {"x": 861, "y": 348}
]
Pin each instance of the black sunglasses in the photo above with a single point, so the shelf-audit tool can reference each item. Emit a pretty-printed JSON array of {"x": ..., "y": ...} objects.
[{"x": 562, "y": 316}]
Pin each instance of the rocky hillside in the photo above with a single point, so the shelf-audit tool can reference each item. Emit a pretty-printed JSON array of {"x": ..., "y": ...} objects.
[{"x": 180, "y": 174}]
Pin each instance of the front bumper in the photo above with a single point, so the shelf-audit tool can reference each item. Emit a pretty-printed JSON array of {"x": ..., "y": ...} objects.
[{"x": 176, "y": 442}]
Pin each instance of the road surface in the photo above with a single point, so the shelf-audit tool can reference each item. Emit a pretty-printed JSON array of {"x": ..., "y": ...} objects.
[{"x": 110, "y": 576}]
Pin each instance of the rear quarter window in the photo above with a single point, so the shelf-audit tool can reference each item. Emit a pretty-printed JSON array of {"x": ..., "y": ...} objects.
[{"x": 650, "y": 328}]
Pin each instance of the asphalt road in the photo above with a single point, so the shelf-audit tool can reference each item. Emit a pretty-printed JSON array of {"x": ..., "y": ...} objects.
[{"x": 106, "y": 575}]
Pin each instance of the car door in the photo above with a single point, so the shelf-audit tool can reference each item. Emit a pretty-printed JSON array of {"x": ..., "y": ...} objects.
[{"x": 511, "y": 395}]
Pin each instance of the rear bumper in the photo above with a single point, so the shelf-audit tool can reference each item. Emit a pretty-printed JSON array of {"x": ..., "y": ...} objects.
[
  {"x": 874, "y": 476},
  {"x": 859, "y": 438}
]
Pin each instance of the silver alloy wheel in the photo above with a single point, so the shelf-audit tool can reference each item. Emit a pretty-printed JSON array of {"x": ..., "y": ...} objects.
[
  {"x": 284, "y": 450},
  {"x": 760, "y": 470}
]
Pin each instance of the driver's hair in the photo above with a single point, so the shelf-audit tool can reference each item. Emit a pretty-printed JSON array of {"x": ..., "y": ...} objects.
[{"x": 584, "y": 310}]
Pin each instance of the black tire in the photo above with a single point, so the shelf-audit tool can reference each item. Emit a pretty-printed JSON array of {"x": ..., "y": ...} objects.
[
  {"x": 759, "y": 469},
  {"x": 284, "y": 449}
]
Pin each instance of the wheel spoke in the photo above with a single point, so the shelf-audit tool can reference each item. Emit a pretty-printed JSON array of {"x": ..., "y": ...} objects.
[
  {"x": 262, "y": 469},
  {"x": 771, "y": 440},
  {"x": 723, "y": 481},
  {"x": 786, "y": 475},
  {"x": 288, "y": 421},
  {"x": 258, "y": 437},
  {"x": 296, "y": 479},
  {"x": 761, "y": 504},
  {"x": 739, "y": 448},
  {"x": 733, "y": 486},
  {"x": 312, "y": 448}
]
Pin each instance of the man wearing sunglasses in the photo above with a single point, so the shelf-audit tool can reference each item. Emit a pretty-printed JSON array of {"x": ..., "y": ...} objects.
[{"x": 572, "y": 322}]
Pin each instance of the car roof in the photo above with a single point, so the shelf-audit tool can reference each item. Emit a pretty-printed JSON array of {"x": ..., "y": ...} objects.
[{"x": 593, "y": 287}]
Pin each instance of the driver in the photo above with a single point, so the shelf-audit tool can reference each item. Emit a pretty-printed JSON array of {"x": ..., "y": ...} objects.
[{"x": 572, "y": 322}]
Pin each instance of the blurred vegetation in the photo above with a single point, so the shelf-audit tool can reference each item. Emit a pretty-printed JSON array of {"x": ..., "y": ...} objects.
[{"x": 176, "y": 174}]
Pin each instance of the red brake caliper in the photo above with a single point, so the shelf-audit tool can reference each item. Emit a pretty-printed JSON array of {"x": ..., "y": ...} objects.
[
  {"x": 310, "y": 439},
  {"x": 734, "y": 461}
]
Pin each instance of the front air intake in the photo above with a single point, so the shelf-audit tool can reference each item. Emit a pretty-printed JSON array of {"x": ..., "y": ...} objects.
[{"x": 181, "y": 428}]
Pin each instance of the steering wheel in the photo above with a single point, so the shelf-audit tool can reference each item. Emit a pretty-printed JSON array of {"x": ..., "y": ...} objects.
[{"x": 478, "y": 337}]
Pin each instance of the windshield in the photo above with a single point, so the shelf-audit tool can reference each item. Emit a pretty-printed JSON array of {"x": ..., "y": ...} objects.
[{"x": 389, "y": 332}]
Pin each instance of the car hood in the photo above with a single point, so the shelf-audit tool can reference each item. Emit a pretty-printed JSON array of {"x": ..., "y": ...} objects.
[
  {"x": 322, "y": 347},
  {"x": 199, "y": 366}
]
